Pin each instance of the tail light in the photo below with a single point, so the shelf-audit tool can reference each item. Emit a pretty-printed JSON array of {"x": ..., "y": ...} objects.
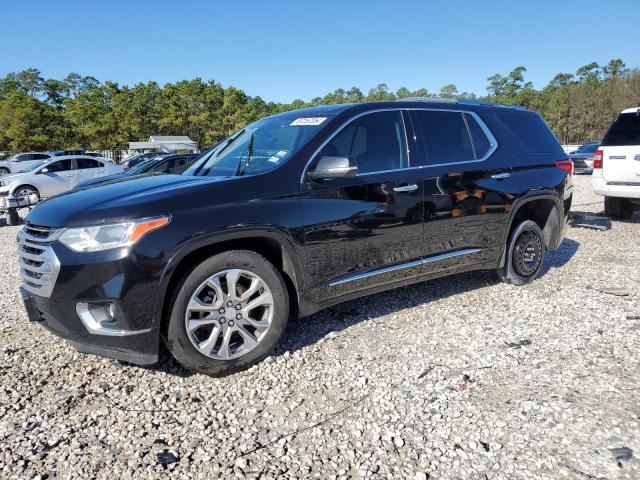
[
  {"x": 566, "y": 165},
  {"x": 597, "y": 159}
]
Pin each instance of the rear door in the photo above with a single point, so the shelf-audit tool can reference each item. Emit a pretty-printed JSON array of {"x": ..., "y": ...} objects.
[
  {"x": 365, "y": 231},
  {"x": 467, "y": 197},
  {"x": 87, "y": 169},
  {"x": 621, "y": 150}
]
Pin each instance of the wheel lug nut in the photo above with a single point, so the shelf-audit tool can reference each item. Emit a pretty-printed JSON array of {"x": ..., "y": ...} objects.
[
  {"x": 221, "y": 311},
  {"x": 222, "y": 320},
  {"x": 229, "y": 303},
  {"x": 238, "y": 307},
  {"x": 239, "y": 316},
  {"x": 231, "y": 323}
]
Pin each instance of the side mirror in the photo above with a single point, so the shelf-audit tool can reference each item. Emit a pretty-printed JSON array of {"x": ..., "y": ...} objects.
[
  {"x": 334, "y": 167},
  {"x": 44, "y": 170}
]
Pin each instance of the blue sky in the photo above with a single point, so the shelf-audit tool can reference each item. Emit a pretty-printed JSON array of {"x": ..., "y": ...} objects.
[{"x": 282, "y": 50}]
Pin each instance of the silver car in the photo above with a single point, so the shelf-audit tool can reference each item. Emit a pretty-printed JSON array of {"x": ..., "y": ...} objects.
[
  {"x": 56, "y": 175},
  {"x": 20, "y": 161}
]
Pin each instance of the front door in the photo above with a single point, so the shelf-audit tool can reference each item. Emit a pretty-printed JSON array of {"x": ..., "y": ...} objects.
[
  {"x": 365, "y": 231},
  {"x": 57, "y": 177}
]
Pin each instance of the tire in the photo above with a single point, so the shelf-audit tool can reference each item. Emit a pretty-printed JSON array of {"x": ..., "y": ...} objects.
[
  {"x": 618, "y": 208},
  {"x": 24, "y": 190},
  {"x": 4, "y": 171},
  {"x": 526, "y": 241},
  {"x": 204, "y": 301}
]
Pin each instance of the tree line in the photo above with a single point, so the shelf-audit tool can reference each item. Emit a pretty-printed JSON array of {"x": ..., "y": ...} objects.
[{"x": 82, "y": 112}]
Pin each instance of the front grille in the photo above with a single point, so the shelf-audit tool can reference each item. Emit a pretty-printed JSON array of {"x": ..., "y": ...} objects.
[{"x": 39, "y": 265}]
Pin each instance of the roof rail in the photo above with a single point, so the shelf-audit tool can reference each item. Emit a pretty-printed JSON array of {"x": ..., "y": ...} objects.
[
  {"x": 492, "y": 104},
  {"x": 427, "y": 99}
]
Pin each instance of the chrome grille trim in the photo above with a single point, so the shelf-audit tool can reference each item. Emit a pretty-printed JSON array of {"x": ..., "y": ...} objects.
[{"x": 38, "y": 263}]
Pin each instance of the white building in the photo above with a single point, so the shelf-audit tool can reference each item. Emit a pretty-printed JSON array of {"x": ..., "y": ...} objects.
[{"x": 159, "y": 143}]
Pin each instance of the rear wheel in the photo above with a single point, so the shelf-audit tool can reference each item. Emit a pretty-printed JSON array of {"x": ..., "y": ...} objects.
[
  {"x": 525, "y": 254},
  {"x": 618, "y": 208},
  {"x": 228, "y": 313}
]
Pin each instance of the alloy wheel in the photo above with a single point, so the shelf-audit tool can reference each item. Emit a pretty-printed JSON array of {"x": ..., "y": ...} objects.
[{"x": 229, "y": 314}]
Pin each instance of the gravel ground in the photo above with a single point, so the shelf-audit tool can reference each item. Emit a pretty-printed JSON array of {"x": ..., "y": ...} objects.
[{"x": 462, "y": 377}]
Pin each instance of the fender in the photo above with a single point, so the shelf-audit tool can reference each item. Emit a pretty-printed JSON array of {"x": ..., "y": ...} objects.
[
  {"x": 291, "y": 259},
  {"x": 530, "y": 197}
]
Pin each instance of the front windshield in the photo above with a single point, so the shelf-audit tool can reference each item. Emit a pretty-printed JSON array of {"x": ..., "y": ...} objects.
[
  {"x": 34, "y": 166},
  {"x": 141, "y": 167},
  {"x": 259, "y": 147}
]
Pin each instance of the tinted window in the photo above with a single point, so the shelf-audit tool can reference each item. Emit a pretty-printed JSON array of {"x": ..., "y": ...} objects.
[
  {"x": 87, "y": 163},
  {"x": 532, "y": 131},
  {"x": 445, "y": 136},
  {"x": 375, "y": 141},
  {"x": 624, "y": 131},
  {"x": 481, "y": 144},
  {"x": 59, "y": 166},
  {"x": 23, "y": 158},
  {"x": 39, "y": 156}
]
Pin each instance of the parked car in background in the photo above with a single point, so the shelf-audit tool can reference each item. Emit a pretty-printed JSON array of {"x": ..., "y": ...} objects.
[
  {"x": 583, "y": 157},
  {"x": 616, "y": 173},
  {"x": 170, "y": 164},
  {"x": 290, "y": 215},
  {"x": 21, "y": 161},
  {"x": 56, "y": 175},
  {"x": 136, "y": 159}
]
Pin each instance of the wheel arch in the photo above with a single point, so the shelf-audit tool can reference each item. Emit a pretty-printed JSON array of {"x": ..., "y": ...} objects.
[
  {"x": 20, "y": 185},
  {"x": 274, "y": 245},
  {"x": 544, "y": 208}
]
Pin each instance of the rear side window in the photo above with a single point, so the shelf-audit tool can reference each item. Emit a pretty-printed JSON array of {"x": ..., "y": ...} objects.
[
  {"x": 59, "y": 166},
  {"x": 87, "y": 163},
  {"x": 39, "y": 156},
  {"x": 481, "y": 144},
  {"x": 446, "y": 137},
  {"x": 375, "y": 141},
  {"x": 532, "y": 131},
  {"x": 624, "y": 131}
]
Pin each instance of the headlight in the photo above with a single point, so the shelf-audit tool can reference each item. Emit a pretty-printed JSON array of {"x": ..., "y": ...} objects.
[{"x": 115, "y": 235}]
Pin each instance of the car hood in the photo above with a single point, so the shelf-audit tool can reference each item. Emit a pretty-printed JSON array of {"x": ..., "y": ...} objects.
[{"x": 123, "y": 199}]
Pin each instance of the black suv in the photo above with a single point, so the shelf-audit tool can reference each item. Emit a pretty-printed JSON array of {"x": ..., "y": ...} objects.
[{"x": 289, "y": 215}]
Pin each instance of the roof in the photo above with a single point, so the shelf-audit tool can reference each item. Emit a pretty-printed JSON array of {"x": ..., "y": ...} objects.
[
  {"x": 631, "y": 110},
  {"x": 164, "y": 138}
]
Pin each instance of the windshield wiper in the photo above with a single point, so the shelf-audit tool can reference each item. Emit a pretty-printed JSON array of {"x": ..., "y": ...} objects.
[
  {"x": 242, "y": 167},
  {"x": 216, "y": 154}
]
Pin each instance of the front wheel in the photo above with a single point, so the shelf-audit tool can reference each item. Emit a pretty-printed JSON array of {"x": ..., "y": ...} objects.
[
  {"x": 4, "y": 171},
  {"x": 618, "y": 208},
  {"x": 228, "y": 313},
  {"x": 24, "y": 190},
  {"x": 524, "y": 254}
]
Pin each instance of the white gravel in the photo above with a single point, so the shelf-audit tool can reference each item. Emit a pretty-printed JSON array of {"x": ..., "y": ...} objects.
[{"x": 462, "y": 377}]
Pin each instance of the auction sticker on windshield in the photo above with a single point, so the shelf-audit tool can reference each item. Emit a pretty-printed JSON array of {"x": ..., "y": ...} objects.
[{"x": 308, "y": 121}]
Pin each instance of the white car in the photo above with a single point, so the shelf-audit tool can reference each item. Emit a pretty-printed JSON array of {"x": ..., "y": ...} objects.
[
  {"x": 616, "y": 165},
  {"x": 20, "y": 161},
  {"x": 56, "y": 175}
]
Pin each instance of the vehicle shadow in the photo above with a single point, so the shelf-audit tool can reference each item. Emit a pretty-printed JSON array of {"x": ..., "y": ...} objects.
[{"x": 560, "y": 256}]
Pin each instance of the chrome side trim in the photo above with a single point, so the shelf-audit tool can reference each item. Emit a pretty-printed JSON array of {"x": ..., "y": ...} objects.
[
  {"x": 379, "y": 271},
  {"x": 394, "y": 268},
  {"x": 445, "y": 256},
  {"x": 96, "y": 328},
  {"x": 492, "y": 140}
]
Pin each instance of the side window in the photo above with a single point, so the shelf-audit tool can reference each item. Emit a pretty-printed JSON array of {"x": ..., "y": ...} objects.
[
  {"x": 481, "y": 144},
  {"x": 39, "y": 156},
  {"x": 84, "y": 163},
  {"x": 375, "y": 141},
  {"x": 24, "y": 157},
  {"x": 59, "y": 166},
  {"x": 445, "y": 135}
]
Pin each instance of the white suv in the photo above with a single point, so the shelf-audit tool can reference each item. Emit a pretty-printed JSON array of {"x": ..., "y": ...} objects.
[{"x": 616, "y": 165}]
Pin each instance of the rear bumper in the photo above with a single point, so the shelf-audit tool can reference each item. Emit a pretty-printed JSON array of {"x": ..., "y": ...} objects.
[{"x": 601, "y": 187}]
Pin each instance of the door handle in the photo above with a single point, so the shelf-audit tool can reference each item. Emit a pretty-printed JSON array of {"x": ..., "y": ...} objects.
[
  {"x": 501, "y": 176},
  {"x": 412, "y": 187},
  {"x": 70, "y": 174}
]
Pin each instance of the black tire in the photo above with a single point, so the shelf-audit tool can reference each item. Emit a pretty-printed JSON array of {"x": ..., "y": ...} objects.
[
  {"x": 13, "y": 218},
  {"x": 4, "y": 171},
  {"x": 177, "y": 338},
  {"x": 618, "y": 208},
  {"x": 26, "y": 190},
  {"x": 524, "y": 254}
]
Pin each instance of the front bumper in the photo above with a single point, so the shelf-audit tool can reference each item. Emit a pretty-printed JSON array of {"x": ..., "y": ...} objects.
[{"x": 121, "y": 277}]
